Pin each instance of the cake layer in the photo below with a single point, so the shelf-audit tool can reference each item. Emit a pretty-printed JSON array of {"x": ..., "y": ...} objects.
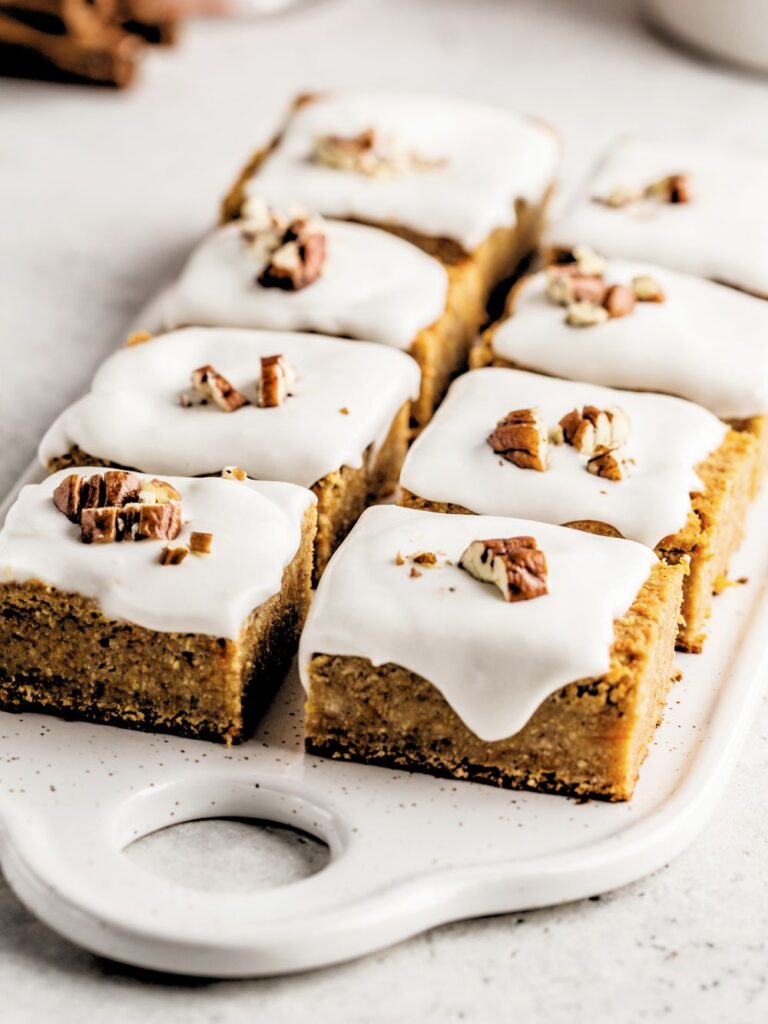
[
  {"x": 343, "y": 403},
  {"x": 439, "y": 167},
  {"x": 452, "y": 463},
  {"x": 704, "y": 342},
  {"x": 373, "y": 286},
  {"x": 256, "y": 528},
  {"x": 493, "y": 662},
  {"x": 718, "y": 230}
]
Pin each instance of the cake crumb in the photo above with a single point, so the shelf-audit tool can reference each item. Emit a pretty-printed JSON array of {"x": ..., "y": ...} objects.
[
  {"x": 399, "y": 560},
  {"x": 428, "y": 558},
  {"x": 414, "y": 572},
  {"x": 344, "y": 410}
]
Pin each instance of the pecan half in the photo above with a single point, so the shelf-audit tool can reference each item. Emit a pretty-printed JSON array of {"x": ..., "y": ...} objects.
[
  {"x": 276, "y": 380},
  {"x": 521, "y": 437},
  {"x": 514, "y": 564},
  {"x": 118, "y": 505}
]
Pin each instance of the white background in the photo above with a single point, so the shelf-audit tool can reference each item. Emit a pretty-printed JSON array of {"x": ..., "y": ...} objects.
[{"x": 101, "y": 195}]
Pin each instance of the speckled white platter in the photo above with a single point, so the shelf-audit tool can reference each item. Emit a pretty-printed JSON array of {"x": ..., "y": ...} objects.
[{"x": 407, "y": 851}]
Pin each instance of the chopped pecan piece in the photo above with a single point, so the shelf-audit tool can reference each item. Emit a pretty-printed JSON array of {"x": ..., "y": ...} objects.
[
  {"x": 608, "y": 463},
  {"x": 299, "y": 258},
  {"x": 647, "y": 289},
  {"x": 370, "y": 153},
  {"x": 67, "y": 496},
  {"x": 674, "y": 188},
  {"x": 521, "y": 437},
  {"x": 586, "y": 314},
  {"x": 566, "y": 288},
  {"x": 157, "y": 492},
  {"x": 233, "y": 473},
  {"x": 92, "y": 493},
  {"x": 593, "y": 428},
  {"x": 581, "y": 260},
  {"x": 201, "y": 543},
  {"x": 619, "y": 300},
  {"x": 428, "y": 558},
  {"x": 276, "y": 380},
  {"x": 514, "y": 564},
  {"x": 120, "y": 487},
  {"x": 173, "y": 556},
  {"x": 153, "y": 522},
  {"x": 98, "y": 525},
  {"x": 209, "y": 385}
]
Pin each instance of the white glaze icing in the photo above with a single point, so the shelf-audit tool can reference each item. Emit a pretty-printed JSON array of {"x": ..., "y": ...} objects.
[
  {"x": 451, "y": 461},
  {"x": 707, "y": 343},
  {"x": 494, "y": 662},
  {"x": 256, "y": 531},
  {"x": 132, "y": 416},
  {"x": 721, "y": 234},
  {"x": 492, "y": 157},
  {"x": 374, "y": 285}
]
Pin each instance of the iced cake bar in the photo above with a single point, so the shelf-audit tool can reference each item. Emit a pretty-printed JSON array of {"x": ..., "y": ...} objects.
[
  {"x": 501, "y": 650},
  {"x": 171, "y": 604}
]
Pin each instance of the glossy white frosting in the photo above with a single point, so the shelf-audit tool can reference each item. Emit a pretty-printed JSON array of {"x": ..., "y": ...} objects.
[
  {"x": 256, "y": 531},
  {"x": 494, "y": 662},
  {"x": 451, "y": 461},
  {"x": 374, "y": 285},
  {"x": 492, "y": 157},
  {"x": 721, "y": 234},
  {"x": 706, "y": 343},
  {"x": 132, "y": 415}
]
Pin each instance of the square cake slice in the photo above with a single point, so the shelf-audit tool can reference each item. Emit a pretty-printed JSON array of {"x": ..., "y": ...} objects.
[
  {"x": 692, "y": 208},
  {"x": 301, "y": 408},
  {"x": 646, "y": 467},
  {"x": 463, "y": 180},
  {"x": 494, "y": 649},
  {"x": 281, "y": 272},
  {"x": 665, "y": 331},
  {"x": 171, "y": 604}
]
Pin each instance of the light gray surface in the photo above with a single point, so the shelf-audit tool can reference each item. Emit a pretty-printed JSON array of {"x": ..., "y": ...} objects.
[{"x": 100, "y": 196}]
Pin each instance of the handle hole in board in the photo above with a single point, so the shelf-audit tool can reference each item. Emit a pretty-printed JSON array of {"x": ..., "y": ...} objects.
[{"x": 230, "y": 854}]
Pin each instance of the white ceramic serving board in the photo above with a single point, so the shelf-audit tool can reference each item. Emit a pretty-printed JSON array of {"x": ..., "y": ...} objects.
[{"x": 407, "y": 851}]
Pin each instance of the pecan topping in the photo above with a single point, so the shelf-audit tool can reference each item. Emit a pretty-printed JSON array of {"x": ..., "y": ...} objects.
[
  {"x": 647, "y": 289},
  {"x": 564, "y": 288},
  {"x": 98, "y": 525},
  {"x": 428, "y": 558},
  {"x": 276, "y": 380},
  {"x": 581, "y": 260},
  {"x": 233, "y": 473},
  {"x": 586, "y": 314},
  {"x": 521, "y": 438},
  {"x": 118, "y": 505},
  {"x": 208, "y": 385},
  {"x": 514, "y": 564},
  {"x": 608, "y": 463},
  {"x": 298, "y": 261},
  {"x": 593, "y": 428},
  {"x": 674, "y": 188},
  {"x": 619, "y": 300},
  {"x": 173, "y": 556},
  {"x": 66, "y": 497},
  {"x": 369, "y": 153},
  {"x": 201, "y": 543}
]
